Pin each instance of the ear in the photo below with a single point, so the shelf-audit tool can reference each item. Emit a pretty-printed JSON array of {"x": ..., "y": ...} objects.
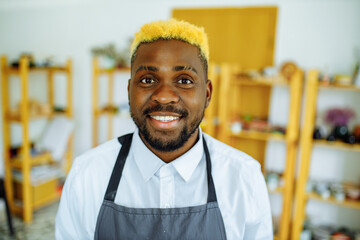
[
  {"x": 128, "y": 88},
  {"x": 209, "y": 89}
]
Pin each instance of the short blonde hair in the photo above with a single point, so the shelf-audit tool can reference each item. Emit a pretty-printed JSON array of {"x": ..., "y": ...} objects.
[{"x": 172, "y": 30}]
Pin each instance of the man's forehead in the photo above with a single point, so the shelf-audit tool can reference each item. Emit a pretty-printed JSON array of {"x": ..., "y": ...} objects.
[
  {"x": 166, "y": 51},
  {"x": 174, "y": 43}
]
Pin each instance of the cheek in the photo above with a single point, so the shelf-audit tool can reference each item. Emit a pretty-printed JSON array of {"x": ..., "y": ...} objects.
[
  {"x": 196, "y": 101},
  {"x": 137, "y": 99}
]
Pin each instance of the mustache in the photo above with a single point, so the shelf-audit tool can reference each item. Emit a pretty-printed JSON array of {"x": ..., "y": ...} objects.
[{"x": 165, "y": 108}]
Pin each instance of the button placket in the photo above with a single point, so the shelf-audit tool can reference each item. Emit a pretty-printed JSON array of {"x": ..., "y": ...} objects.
[{"x": 166, "y": 188}]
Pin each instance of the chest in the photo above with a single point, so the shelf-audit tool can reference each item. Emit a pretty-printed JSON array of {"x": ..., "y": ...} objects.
[{"x": 165, "y": 189}]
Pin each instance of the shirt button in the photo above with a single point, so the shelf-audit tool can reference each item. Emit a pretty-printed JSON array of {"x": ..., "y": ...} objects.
[{"x": 167, "y": 205}]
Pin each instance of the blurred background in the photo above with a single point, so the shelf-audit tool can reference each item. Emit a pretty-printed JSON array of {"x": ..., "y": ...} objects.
[{"x": 286, "y": 91}]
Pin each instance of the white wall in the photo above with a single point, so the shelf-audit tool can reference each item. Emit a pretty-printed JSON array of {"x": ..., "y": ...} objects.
[{"x": 313, "y": 33}]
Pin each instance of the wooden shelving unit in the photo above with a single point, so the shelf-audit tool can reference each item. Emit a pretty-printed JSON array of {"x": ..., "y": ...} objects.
[
  {"x": 97, "y": 110},
  {"x": 243, "y": 96},
  {"x": 307, "y": 143},
  {"x": 332, "y": 200},
  {"x": 32, "y": 197}
]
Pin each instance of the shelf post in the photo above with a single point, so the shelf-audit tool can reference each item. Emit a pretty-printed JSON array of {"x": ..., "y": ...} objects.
[
  {"x": 296, "y": 86},
  {"x": 69, "y": 113},
  {"x": 26, "y": 156},
  {"x": 6, "y": 131},
  {"x": 110, "y": 102},
  {"x": 95, "y": 101},
  {"x": 51, "y": 91},
  {"x": 306, "y": 141}
]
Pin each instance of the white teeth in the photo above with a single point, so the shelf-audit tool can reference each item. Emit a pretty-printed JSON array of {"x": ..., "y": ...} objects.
[{"x": 164, "y": 118}]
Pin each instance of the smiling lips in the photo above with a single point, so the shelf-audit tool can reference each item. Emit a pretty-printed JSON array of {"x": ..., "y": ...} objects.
[{"x": 164, "y": 120}]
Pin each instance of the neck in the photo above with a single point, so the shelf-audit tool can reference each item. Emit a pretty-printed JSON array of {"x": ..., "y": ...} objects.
[{"x": 171, "y": 156}]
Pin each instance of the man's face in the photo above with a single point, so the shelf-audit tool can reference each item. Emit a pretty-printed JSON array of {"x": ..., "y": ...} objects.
[{"x": 168, "y": 93}]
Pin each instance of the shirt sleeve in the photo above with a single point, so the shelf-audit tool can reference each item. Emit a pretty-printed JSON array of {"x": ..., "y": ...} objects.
[
  {"x": 67, "y": 221},
  {"x": 259, "y": 226}
]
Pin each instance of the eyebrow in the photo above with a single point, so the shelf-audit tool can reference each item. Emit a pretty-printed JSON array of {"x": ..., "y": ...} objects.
[
  {"x": 147, "y": 68},
  {"x": 155, "y": 69},
  {"x": 182, "y": 68}
]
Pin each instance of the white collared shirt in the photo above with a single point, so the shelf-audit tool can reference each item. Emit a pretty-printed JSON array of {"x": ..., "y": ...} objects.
[{"x": 148, "y": 182}]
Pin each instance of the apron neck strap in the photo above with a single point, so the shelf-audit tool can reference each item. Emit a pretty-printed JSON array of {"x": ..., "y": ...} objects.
[
  {"x": 120, "y": 163},
  {"x": 211, "y": 187},
  {"x": 119, "y": 167}
]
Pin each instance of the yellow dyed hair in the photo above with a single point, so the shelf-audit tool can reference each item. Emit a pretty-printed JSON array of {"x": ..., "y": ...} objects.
[{"x": 169, "y": 30}]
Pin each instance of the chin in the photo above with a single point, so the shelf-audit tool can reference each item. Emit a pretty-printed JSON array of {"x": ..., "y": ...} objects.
[{"x": 165, "y": 144}]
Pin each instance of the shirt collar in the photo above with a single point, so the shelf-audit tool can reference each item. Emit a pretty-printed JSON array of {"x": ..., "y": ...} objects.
[{"x": 149, "y": 163}]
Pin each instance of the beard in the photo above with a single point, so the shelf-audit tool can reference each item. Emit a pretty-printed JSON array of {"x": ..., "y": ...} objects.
[{"x": 175, "y": 142}]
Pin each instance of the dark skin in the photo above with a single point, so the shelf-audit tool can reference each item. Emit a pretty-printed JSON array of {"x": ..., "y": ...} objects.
[{"x": 168, "y": 93}]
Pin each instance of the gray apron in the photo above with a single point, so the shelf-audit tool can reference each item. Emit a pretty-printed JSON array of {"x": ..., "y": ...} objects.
[{"x": 119, "y": 222}]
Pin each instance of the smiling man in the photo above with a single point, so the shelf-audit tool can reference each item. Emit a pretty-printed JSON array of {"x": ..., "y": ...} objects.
[
  {"x": 167, "y": 180},
  {"x": 168, "y": 96}
]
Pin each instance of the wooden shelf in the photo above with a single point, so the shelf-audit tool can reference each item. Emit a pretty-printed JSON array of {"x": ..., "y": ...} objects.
[
  {"x": 332, "y": 200},
  {"x": 113, "y": 70},
  {"x": 17, "y": 117},
  {"x": 16, "y": 70},
  {"x": 104, "y": 111},
  {"x": 261, "y": 81},
  {"x": 40, "y": 199},
  {"x": 338, "y": 145},
  {"x": 257, "y": 135},
  {"x": 46, "y": 201},
  {"x": 18, "y": 209},
  {"x": 340, "y": 87},
  {"x": 277, "y": 190},
  {"x": 43, "y": 158}
]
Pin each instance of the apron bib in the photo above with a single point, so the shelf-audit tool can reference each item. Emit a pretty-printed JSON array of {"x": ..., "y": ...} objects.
[{"x": 119, "y": 222}]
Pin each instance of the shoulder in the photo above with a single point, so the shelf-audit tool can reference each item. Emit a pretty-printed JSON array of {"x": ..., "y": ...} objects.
[
  {"x": 228, "y": 156},
  {"x": 234, "y": 170},
  {"x": 240, "y": 188},
  {"x": 84, "y": 190},
  {"x": 91, "y": 171},
  {"x": 102, "y": 155},
  {"x": 94, "y": 167}
]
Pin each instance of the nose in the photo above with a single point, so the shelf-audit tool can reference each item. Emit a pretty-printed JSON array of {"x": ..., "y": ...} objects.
[{"x": 164, "y": 94}]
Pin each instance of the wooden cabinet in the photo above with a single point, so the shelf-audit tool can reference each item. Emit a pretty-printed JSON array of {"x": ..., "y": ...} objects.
[
  {"x": 30, "y": 197},
  {"x": 308, "y": 144},
  {"x": 240, "y": 35}
]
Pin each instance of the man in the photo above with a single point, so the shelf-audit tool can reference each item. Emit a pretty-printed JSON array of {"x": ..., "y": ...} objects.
[{"x": 167, "y": 180}]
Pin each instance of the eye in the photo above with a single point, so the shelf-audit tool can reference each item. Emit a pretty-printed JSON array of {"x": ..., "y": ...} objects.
[
  {"x": 147, "y": 81},
  {"x": 185, "y": 81}
]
